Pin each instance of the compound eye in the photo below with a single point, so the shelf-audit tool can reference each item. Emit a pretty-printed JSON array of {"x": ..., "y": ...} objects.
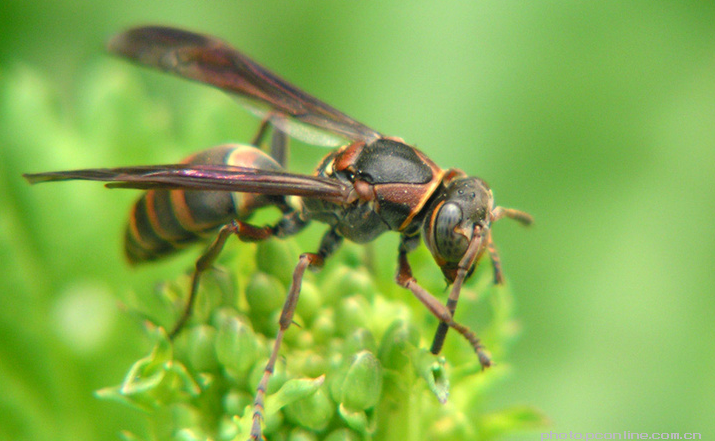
[{"x": 450, "y": 244}]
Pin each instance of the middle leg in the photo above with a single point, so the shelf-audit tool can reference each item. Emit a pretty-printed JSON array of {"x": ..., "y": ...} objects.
[{"x": 331, "y": 241}]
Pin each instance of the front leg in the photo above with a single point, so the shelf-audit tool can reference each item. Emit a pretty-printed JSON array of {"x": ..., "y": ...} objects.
[{"x": 442, "y": 312}]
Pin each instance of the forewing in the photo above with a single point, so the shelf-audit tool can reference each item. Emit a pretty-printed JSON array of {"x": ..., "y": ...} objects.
[
  {"x": 209, "y": 60},
  {"x": 206, "y": 177}
]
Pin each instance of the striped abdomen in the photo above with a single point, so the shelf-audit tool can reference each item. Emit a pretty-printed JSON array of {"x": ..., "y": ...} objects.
[{"x": 163, "y": 221}]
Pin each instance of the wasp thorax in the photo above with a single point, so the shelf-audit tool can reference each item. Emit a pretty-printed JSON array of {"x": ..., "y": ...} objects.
[{"x": 464, "y": 205}]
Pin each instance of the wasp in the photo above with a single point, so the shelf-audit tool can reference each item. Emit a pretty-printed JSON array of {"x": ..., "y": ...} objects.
[{"x": 369, "y": 186}]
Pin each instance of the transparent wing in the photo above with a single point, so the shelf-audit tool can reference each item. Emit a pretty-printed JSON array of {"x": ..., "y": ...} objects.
[
  {"x": 302, "y": 131},
  {"x": 209, "y": 60}
]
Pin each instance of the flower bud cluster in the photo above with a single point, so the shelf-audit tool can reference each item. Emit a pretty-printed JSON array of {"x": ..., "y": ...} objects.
[{"x": 353, "y": 367}]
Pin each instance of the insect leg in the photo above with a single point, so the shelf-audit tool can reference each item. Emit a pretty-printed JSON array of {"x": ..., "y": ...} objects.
[
  {"x": 496, "y": 261},
  {"x": 443, "y": 312},
  {"x": 497, "y": 213},
  {"x": 442, "y": 329},
  {"x": 407, "y": 244},
  {"x": 279, "y": 147},
  {"x": 328, "y": 245},
  {"x": 262, "y": 129},
  {"x": 245, "y": 232},
  {"x": 279, "y": 140},
  {"x": 440, "y": 335}
]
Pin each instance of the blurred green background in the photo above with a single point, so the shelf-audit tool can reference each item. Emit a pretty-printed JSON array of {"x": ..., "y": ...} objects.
[{"x": 596, "y": 117}]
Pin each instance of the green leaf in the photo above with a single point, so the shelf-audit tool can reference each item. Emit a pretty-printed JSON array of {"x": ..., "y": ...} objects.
[
  {"x": 292, "y": 391},
  {"x": 432, "y": 369}
]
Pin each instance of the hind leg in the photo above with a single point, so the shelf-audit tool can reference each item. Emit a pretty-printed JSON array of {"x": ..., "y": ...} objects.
[{"x": 289, "y": 224}]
